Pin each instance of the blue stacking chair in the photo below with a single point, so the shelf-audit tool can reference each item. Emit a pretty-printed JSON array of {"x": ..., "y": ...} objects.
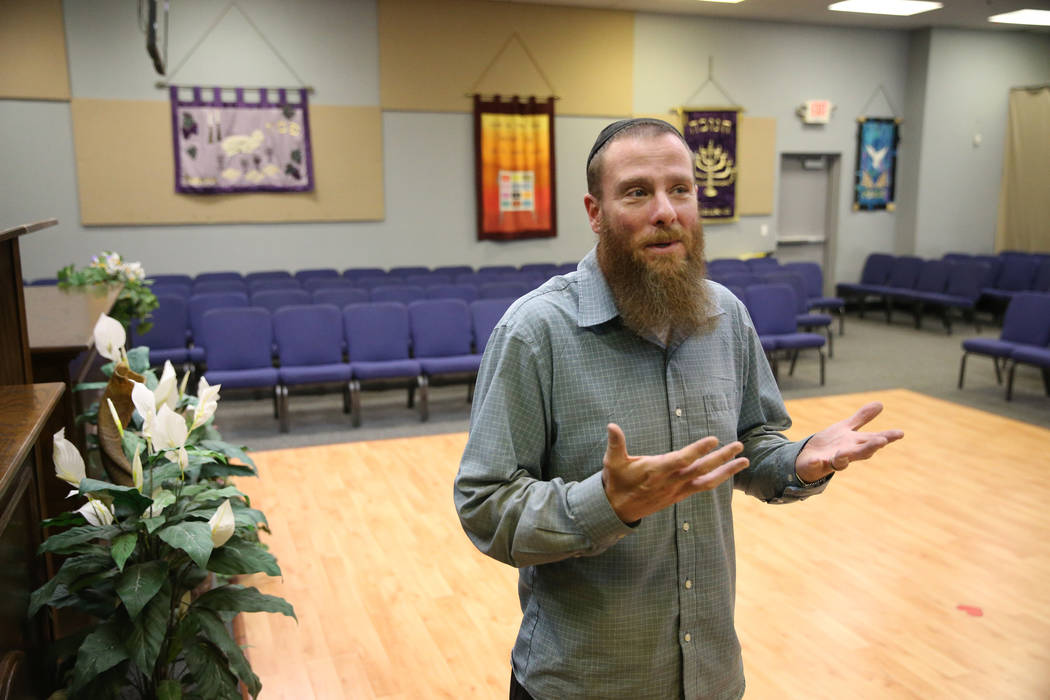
[
  {"x": 1028, "y": 355},
  {"x": 340, "y": 296},
  {"x": 238, "y": 343},
  {"x": 762, "y": 265},
  {"x": 173, "y": 278},
  {"x": 223, "y": 276},
  {"x": 309, "y": 351},
  {"x": 303, "y": 275},
  {"x": 726, "y": 266},
  {"x": 546, "y": 270},
  {"x": 773, "y": 310},
  {"x": 172, "y": 289},
  {"x": 962, "y": 291},
  {"x": 1025, "y": 324},
  {"x": 873, "y": 277},
  {"x": 258, "y": 285},
  {"x": 353, "y": 273},
  {"x": 441, "y": 340},
  {"x": 484, "y": 315},
  {"x": 408, "y": 270},
  {"x": 815, "y": 299},
  {"x": 805, "y": 318},
  {"x": 427, "y": 280},
  {"x": 199, "y": 304},
  {"x": 453, "y": 270},
  {"x": 466, "y": 292},
  {"x": 167, "y": 337},
  {"x": 502, "y": 290},
  {"x": 932, "y": 279},
  {"x": 378, "y": 340},
  {"x": 267, "y": 275},
  {"x": 274, "y": 299},
  {"x": 404, "y": 293},
  {"x": 1041, "y": 282},
  {"x": 371, "y": 281},
  {"x": 209, "y": 286},
  {"x": 566, "y": 268},
  {"x": 313, "y": 283},
  {"x": 496, "y": 270}
]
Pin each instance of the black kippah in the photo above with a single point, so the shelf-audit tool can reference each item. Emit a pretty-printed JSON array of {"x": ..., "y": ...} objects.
[{"x": 616, "y": 127}]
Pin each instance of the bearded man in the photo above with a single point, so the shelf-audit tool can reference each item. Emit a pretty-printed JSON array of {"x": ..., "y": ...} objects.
[{"x": 627, "y": 563}]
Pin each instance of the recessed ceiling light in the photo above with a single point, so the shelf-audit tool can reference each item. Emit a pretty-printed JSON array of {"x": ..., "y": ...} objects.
[
  {"x": 1040, "y": 17},
  {"x": 886, "y": 7},
  {"x": 721, "y": 0}
]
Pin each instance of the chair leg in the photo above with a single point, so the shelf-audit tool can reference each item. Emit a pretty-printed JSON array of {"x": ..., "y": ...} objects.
[
  {"x": 831, "y": 342},
  {"x": 355, "y": 403},
  {"x": 962, "y": 370},
  {"x": 1010, "y": 381},
  {"x": 842, "y": 320},
  {"x": 282, "y": 413},
  {"x": 821, "y": 366},
  {"x": 424, "y": 398},
  {"x": 794, "y": 359},
  {"x": 1046, "y": 380},
  {"x": 470, "y": 392},
  {"x": 917, "y": 312},
  {"x": 411, "y": 396},
  {"x": 346, "y": 398},
  {"x": 998, "y": 372}
]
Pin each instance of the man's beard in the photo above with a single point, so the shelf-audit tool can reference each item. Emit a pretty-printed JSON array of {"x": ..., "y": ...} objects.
[{"x": 656, "y": 295}]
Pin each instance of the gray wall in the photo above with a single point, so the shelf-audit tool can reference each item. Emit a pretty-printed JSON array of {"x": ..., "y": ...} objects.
[{"x": 428, "y": 164}]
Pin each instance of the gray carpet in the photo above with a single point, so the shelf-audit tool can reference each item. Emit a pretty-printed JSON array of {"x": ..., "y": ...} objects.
[{"x": 870, "y": 356}]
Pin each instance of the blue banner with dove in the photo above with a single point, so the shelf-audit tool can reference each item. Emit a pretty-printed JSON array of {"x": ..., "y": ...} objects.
[{"x": 876, "y": 163}]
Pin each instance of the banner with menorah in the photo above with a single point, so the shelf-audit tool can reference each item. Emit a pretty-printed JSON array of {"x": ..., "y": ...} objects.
[{"x": 713, "y": 136}]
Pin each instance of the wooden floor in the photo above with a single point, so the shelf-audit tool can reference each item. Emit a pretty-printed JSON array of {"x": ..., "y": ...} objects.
[{"x": 923, "y": 574}]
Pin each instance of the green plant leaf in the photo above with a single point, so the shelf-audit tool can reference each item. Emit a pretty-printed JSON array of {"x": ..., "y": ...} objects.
[
  {"x": 132, "y": 443},
  {"x": 153, "y": 523},
  {"x": 240, "y": 557},
  {"x": 140, "y": 583},
  {"x": 72, "y": 569},
  {"x": 101, "y": 650},
  {"x": 213, "y": 628},
  {"x": 122, "y": 547},
  {"x": 169, "y": 690},
  {"x": 211, "y": 671},
  {"x": 90, "y": 386},
  {"x": 127, "y": 500},
  {"x": 217, "y": 470},
  {"x": 150, "y": 629},
  {"x": 213, "y": 494},
  {"x": 138, "y": 358},
  {"x": 248, "y": 517},
  {"x": 69, "y": 541},
  {"x": 239, "y": 598},
  {"x": 64, "y": 520},
  {"x": 231, "y": 451},
  {"x": 192, "y": 537}
]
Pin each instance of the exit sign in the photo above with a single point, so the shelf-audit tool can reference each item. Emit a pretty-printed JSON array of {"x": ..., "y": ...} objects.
[{"x": 816, "y": 112}]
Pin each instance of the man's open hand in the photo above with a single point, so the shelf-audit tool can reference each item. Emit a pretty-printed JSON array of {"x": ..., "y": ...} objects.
[
  {"x": 833, "y": 448},
  {"x": 639, "y": 486}
]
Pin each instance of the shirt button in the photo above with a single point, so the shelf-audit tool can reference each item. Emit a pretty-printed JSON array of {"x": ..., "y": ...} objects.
[
  {"x": 688, "y": 637},
  {"x": 678, "y": 412},
  {"x": 685, "y": 526},
  {"x": 688, "y": 583}
]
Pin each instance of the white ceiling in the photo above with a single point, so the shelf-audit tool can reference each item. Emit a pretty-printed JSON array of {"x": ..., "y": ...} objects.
[{"x": 967, "y": 14}]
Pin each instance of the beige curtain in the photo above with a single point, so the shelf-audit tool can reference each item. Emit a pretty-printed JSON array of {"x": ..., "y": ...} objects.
[{"x": 1024, "y": 196}]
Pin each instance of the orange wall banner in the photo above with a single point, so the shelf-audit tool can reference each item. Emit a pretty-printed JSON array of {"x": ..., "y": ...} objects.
[{"x": 514, "y": 156}]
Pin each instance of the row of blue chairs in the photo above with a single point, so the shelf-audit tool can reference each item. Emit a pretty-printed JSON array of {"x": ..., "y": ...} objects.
[
  {"x": 1023, "y": 340},
  {"x": 469, "y": 286},
  {"x": 369, "y": 345},
  {"x": 955, "y": 282},
  {"x": 353, "y": 273}
]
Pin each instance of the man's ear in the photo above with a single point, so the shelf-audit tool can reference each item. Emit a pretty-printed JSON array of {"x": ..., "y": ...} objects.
[{"x": 594, "y": 211}]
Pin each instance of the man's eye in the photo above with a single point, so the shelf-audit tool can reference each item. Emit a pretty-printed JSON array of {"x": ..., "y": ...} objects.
[{"x": 636, "y": 192}]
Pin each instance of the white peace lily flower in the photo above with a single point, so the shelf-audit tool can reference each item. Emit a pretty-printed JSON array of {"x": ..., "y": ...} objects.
[
  {"x": 159, "y": 502},
  {"x": 69, "y": 465},
  {"x": 169, "y": 430},
  {"x": 96, "y": 513},
  {"x": 116, "y": 417},
  {"x": 146, "y": 404},
  {"x": 109, "y": 337},
  {"x": 167, "y": 391},
  {"x": 183, "y": 459},
  {"x": 222, "y": 524},
  {"x": 136, "y": 471},
  {"x": 207, "y": 402}
]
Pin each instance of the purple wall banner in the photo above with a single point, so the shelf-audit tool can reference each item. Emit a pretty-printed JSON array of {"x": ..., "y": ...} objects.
[
  {"x": 712, "y": 135},
  {"x": 240, "y": 146}
]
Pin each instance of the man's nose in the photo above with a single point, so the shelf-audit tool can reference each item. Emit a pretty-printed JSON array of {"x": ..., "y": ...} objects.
[{"x": 663, "y": 213}]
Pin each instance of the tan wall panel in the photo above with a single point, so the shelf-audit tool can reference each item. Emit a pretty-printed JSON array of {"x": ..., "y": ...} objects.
[
  {"x": 757, "y": 155},
  {"x": 432, "y": 53},
  {"x": 125, "y": 170},
  {"x": 33, "y": 50}
]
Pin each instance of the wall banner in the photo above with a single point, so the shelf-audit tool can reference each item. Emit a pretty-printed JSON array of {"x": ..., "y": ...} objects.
[
  {"x": 877, "y": 139},
  {"x": 514, "y": 168},
  {"x": 712, "y": 134},
  {"x": 239, "y": 146}
]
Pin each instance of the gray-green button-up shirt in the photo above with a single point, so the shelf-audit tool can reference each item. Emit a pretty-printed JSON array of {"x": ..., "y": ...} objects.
[{"x": 611, "y": 610}]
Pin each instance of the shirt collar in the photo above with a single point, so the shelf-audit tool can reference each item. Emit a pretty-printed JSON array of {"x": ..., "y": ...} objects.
[{"x": 597, "y": 303}]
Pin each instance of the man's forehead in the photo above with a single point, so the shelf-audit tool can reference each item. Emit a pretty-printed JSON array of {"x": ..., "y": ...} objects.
[{"x": 643, "y": 153}]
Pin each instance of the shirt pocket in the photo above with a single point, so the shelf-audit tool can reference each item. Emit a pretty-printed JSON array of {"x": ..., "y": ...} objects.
[{"x": 715, "y": 412}]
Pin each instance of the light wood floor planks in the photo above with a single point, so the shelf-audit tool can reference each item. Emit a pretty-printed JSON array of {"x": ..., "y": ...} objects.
[{"x": 853, "y": 594}]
